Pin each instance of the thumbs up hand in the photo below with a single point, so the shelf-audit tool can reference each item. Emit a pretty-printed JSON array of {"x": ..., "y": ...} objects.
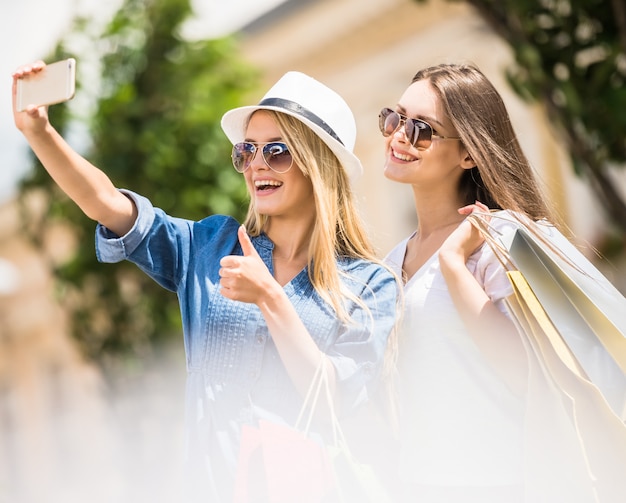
[
  {"x": 245, "y": 278},
  {"x": 246, "y": 245}
]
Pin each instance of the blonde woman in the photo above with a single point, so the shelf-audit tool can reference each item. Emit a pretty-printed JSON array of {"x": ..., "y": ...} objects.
[{"x": 264, "y": 302}]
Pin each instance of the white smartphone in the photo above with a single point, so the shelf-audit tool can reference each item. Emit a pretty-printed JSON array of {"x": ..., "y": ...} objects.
[{"x": 56, "y": 83}]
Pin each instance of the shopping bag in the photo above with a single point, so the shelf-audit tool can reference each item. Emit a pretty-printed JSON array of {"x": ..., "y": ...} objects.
[
  {"x": 355, "y": 481},
  {"x": 588, "y": 312},
  {"x": 279, "y": 463},
  {"x": 575, "y": 443}
]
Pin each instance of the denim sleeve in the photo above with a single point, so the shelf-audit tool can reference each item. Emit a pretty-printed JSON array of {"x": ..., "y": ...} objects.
[
  {"x": 157, "y": 243},
  {"x": 359, "y": 352},
  {"x": 110, "y": 247}
]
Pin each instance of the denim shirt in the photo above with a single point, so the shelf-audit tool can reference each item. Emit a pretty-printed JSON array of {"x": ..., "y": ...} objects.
[{"x": 235, "y": 374}]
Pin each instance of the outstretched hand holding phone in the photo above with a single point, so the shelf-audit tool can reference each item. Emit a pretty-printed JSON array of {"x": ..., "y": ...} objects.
[
  {"x": 46, "y": 85},
  {"x": 85, "y": 184}
]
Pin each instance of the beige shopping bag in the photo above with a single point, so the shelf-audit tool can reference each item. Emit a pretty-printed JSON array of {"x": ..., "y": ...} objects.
[{"x": 586, "y": 309}]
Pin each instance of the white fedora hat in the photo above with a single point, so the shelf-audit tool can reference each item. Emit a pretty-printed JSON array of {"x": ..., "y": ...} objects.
[{"x": 314, "y": 104}]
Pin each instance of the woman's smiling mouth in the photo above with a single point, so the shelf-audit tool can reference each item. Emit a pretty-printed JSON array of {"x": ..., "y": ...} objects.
[
  {"x": 402, "y": 157},
  {"x": 262, "y": 185}
]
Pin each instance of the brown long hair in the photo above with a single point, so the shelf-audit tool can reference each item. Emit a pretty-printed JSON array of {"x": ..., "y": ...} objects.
[{"x": 503, "y": 177}]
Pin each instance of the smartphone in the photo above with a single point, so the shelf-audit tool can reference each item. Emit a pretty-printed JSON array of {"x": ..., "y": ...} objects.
[{"x": 56, "y": 83}]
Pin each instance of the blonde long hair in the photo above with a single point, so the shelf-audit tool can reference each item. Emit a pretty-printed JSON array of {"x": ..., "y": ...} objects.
[{"x": 338, "y": 230}]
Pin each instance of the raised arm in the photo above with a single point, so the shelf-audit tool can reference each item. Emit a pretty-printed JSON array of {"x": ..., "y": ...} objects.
[
  {"x": 89, "y": 187},
  {"x": 494, "y": 333}
]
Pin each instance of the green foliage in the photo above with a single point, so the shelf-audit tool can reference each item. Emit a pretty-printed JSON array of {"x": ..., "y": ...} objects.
[
  {"x": 156, "y": 131},
  {"x": 570, "y": 55}
]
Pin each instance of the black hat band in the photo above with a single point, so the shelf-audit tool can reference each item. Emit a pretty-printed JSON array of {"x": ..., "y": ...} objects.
[{"x": 292, "y": 106}]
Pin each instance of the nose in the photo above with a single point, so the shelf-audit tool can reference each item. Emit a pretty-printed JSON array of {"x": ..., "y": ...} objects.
[
  {"x": 400, "y": 132},
  {"x": 257, "y": 160}
]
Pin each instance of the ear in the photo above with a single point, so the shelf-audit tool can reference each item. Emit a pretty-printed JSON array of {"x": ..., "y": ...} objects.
[{"x": 467, "y": 162}]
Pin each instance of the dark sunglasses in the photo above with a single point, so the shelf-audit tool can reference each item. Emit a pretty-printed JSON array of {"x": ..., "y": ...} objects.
[
  {"x": 275, "y": 154},
  {"x": 417, "y": 131}
]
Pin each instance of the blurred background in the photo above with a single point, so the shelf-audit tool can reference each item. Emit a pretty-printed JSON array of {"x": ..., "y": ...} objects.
[{"x": 92, "y": 368}]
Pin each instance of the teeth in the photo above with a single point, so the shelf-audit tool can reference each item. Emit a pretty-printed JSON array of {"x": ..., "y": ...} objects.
[
  {"x": 263, "y": 183},
  {"x": 403, "y": 157}
]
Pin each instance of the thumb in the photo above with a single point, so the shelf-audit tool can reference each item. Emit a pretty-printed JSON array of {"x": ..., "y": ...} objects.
[{"x": 246, "y": 245}]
